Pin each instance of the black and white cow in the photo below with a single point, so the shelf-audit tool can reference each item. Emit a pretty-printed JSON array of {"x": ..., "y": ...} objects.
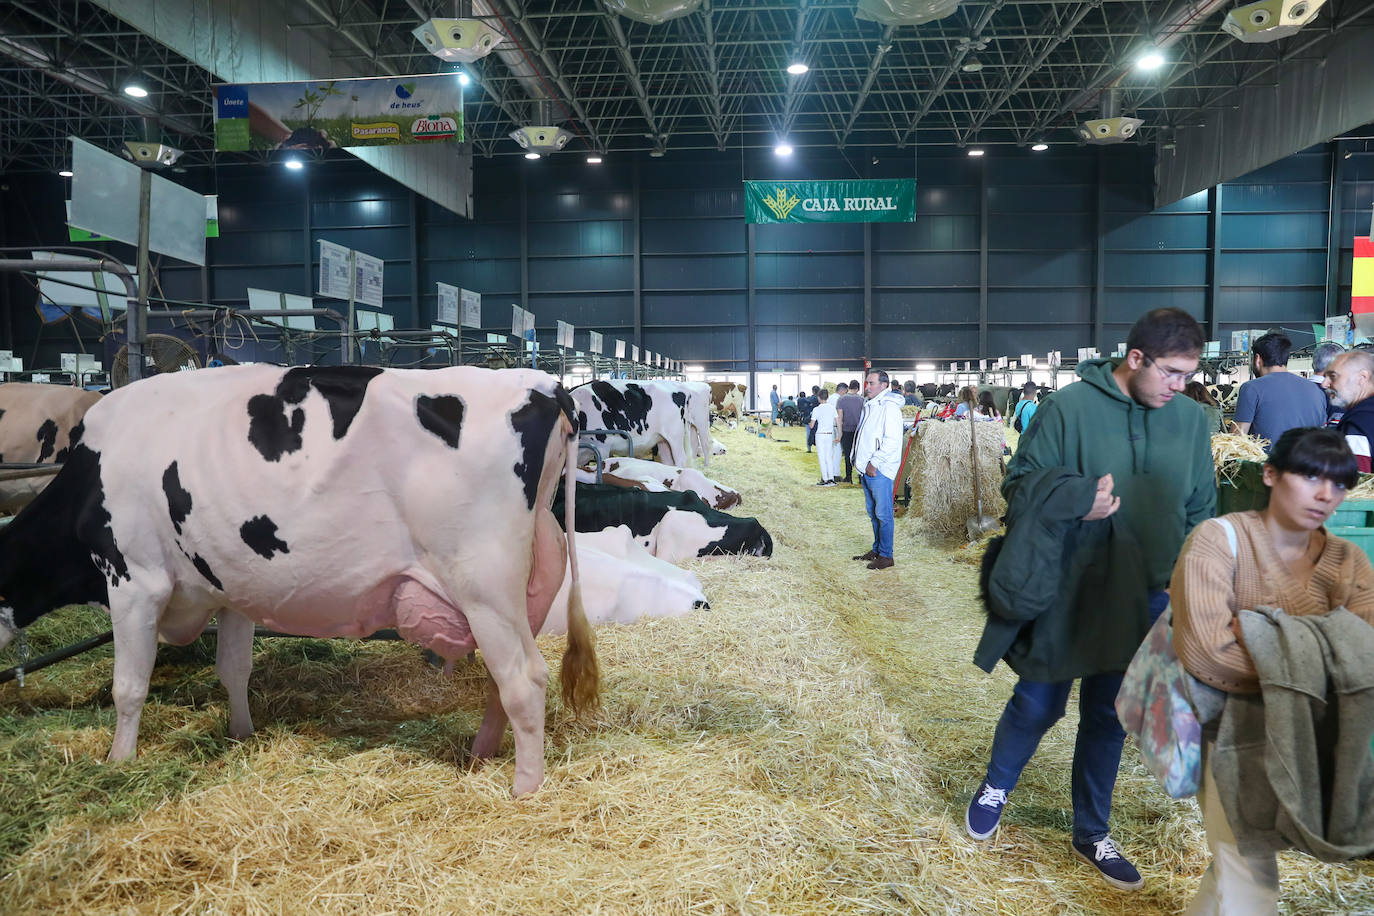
[
  {"x": 672, "y": 526},
  {"x": 36, "y": 423},
  {"x": 330, "y": 501},
  {"x": 654, "y": 415}
]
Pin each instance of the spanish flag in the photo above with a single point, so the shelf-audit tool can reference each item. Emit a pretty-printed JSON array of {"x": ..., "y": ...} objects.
[{"x": 1362, "y": 279}]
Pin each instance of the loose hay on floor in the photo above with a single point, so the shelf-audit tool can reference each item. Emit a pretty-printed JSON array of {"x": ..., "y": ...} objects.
[{"x": 807, "y": 746}]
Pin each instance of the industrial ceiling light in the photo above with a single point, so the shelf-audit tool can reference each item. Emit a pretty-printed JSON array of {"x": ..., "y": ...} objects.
[
  {"x": 150, "y": 154},
  {"x": 593, "y": 160},
  {"x": 463, "y": 78},
  {"x": 65, "y": 173},
  {"x": 782, "y": 149},
  {"x": 136, "y": 87},
  {"x": 294, "y": 165},
  {"x": 976, "y": 152},
  {"x": 809, "y": 367},
  {"x": 1040, "y": 147},
  {"x": 457, "y": 40},
  {"x": 971, "y": 64},
  {"x": 1150, "y": 60},
  {"x": 543, "y": 138},
  {"x": 798, "y": 68},
  {"x": 531, "y": 155}
]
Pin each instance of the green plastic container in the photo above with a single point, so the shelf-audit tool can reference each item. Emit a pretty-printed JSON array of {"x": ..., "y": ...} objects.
[
  {"x": 1245, "y": 491},
  {"x": 1353, "y": 513}
]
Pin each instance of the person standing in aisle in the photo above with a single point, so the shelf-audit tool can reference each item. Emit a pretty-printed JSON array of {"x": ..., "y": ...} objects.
[
  {"x": 1276, "y": 400},
  {"x": 1121, "y": 445},
  {"x": 1322, "y": 357},
  {"x": 776, "y": 400},
  {"x": 825, "y": 428},
  {"x": 878, "y": 452},
  {"x": 850, "y": 404},
  {"x": 1025, "y": 408}
]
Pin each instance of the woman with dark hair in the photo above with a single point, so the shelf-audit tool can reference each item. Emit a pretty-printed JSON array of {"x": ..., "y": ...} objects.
[
  {"x": 987, "y": 407},
  {"x": 1198, "y": 392},
  {"x": 1281, "y": 557}
]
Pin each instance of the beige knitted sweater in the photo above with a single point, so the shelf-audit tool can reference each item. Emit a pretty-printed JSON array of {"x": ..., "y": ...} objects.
[{"x": 1210, "y": 587}]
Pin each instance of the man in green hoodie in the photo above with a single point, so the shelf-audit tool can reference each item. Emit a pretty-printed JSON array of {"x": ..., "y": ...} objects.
[{"x": 1148, "y": 449}]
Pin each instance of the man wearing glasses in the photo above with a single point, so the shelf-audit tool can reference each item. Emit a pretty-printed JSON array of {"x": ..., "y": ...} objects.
[{"x": 1125, "y": 448}]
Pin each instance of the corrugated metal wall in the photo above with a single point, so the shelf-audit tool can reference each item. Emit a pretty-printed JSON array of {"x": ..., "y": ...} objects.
[{"x": 1018, "y": 252}]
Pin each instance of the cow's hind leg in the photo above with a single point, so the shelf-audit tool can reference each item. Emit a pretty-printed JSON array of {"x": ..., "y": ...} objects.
[
  {"x": 233, "y": 663},
  {"x": 134, "y": 614},
  {"x": 515, "y": 665},
  {"x": 493, "y": 727}
]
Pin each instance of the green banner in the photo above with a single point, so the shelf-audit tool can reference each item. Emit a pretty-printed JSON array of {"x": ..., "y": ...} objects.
[
  {"x": 886, "y": 200},
  {"x": 381, "y": 111}
]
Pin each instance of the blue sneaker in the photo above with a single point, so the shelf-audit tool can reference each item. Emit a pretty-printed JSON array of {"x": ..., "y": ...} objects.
[
  {"x": 1108, "y": 860},
  {"x": 985, "y": 811}
]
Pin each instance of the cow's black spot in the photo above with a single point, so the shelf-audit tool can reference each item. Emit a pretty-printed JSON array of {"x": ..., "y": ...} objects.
[
  {"x": 74, "y": 437},
  {"x": 533, "y": 423},
  {"x": 626, "y": 409},
  {"x": 342, "y": 387},
  {"x": 442, "y": 416},
  {"x": 204, "y": 569},
  {"x": 178, "y": 499},
  {"x": 268, "y": 429},
  {"x": 680, "y": 399},
  {"x": 566, "y": 404},
  {"x": 260, "y": 533},
  {"x": 47, "y": 439},
  {"x": 581, "y": 419}
]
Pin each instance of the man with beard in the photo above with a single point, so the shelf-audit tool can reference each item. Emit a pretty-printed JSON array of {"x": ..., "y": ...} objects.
[{"x": 1350, "y": 379}]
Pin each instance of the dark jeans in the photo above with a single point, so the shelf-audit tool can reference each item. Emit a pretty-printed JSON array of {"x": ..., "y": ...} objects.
[
  {"x": 810, "y": 436},
  {"x": 1035, "y": 706},
  {"x": 847, "y": 446}
]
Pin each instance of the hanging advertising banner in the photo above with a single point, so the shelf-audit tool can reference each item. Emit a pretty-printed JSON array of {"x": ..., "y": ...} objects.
[
  {"x": 382, "y": 111},
  {"x": 887, "y": 200},
  {"x": 1362, "y": 284}
]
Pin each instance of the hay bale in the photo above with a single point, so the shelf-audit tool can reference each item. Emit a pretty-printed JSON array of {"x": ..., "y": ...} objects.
[{"x": 942, "y": 473}]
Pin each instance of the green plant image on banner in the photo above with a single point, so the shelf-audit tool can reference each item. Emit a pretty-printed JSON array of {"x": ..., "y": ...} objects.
[
  {"x": 382, "y": 111},
  {"x": 885, "y": 200}
]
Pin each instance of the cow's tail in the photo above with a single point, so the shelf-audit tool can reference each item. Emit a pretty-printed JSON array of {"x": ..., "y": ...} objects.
[{"x": 581, "y": 675}]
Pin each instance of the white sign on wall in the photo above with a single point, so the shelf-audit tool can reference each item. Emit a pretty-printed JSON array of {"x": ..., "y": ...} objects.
[
  {"x": 565, "y": 334},
  {"x": 334, "y": 277},
  {"x": 447, "y": 311},
  {"x": 594, "y": 341},
  {"x": 634, "y": 352},
  {"x": 620, "y": 349},
  {"x": 471, "y": 308},
  {"x": 368, "y": 290}
]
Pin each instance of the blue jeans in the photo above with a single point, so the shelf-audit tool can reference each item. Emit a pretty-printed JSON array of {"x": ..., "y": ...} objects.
[
  {"x": 878, "y": 502},
  {"x": 1035, "y": 706}
]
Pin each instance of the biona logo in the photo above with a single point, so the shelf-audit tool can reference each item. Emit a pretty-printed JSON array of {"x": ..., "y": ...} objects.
[{"x": 434, "y": 128}]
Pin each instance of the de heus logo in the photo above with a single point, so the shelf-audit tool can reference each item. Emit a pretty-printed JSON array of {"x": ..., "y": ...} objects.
[{"x": 404, "y": 91}]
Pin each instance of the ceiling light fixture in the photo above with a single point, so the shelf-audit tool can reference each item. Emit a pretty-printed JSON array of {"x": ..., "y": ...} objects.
[
  {"x": 797, "y": 69},
  {"x": 782, "y": 149},
  {"x": 65, "y": 173},
  {"x": 975, "y": 152},
  {"x": 1040, "y": 147},
  {"x": 971, "y": 64},
  {"x": 810, "y": 367},
  {"x": 531, "y": 155},
  {"x": 135, "y": 89},
  {"x": 1150, "y": 60},
  {"x": 463, "y": 78},
  {"x": 294, "y": 165},
  {"x": 593, "y": 160}
]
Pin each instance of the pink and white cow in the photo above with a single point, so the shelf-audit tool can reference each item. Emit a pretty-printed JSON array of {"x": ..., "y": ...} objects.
[
  {"x": 324, "y": 501},
  {"x": 663, "y": 478}
]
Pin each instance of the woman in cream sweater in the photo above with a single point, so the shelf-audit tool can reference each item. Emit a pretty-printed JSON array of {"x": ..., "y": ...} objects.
[{"x": 1283, "y": 558}]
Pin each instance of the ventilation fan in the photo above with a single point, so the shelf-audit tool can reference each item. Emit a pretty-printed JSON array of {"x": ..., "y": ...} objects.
[{"x": 161, "y": 353}]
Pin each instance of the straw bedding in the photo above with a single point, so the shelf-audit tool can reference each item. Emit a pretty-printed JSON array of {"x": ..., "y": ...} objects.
[{"x": 807, "y": 746}]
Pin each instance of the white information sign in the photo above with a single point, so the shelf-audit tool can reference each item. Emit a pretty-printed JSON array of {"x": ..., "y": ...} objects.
[
  {"x": 1027, "y": 359},
  {"x": 334, "y": 278},
  {"x": 529, "y": 323},
  {"x": 295, "y": 303},
  {"x": 472, "y": 308},
  {"x": 369, "y": 286},
  {"x": 634, "y": 352},
  {"x": 565, "y": 334},
  {"x": 620, "y": 349},
  {"x": 447, "y": 310},
  {"x": 594, "y": 341}
]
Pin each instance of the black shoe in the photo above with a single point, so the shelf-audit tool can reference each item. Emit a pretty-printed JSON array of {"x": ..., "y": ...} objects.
[
  {"x": 867, "y": 557},
  {"x": 881, "y": 563}
]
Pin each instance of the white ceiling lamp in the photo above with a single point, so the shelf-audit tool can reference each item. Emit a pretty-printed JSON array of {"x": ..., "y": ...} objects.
[
  {"x": 593, "y": 160},
  {"x": 457, "y": 40},
  {"x": 65, "y": 173},
  {"x": 463, "y": 78},
  {"x": 693, "y": 368},
  {"x": 136, "y": 87},
  {"x": 971, "y": 64},
  {"x": 782, "y": 149},
  {"x": 294, "y": 165},
  {"x": 1041, "y": 146},
  {"x": 975, "y": 153},
  {"x": 798, "y": 68},
  {"x": 809, "y": 367},
  {"x": 1151, "y": 59},
  {"x": 542, "y": 138},
  {"x": 531, "y": 155}
]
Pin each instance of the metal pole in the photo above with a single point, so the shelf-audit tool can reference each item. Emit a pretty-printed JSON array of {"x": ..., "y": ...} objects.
[
  {"x": 137, "y": 317},
  {"x": 352, "y": 294}
]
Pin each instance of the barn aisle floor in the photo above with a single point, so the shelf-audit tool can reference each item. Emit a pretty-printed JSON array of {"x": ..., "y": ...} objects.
[{"x": 806, "y": 746}]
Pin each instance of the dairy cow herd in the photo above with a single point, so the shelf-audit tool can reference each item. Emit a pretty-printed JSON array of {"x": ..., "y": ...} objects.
[{"x": 338, "y": 501}]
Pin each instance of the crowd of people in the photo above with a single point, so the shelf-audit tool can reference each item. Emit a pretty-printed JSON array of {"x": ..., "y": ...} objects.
[{"x": 1111, "y": 496}]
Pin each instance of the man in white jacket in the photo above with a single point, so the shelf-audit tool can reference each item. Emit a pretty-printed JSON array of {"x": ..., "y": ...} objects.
[{"x": 878, "y": 455}]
